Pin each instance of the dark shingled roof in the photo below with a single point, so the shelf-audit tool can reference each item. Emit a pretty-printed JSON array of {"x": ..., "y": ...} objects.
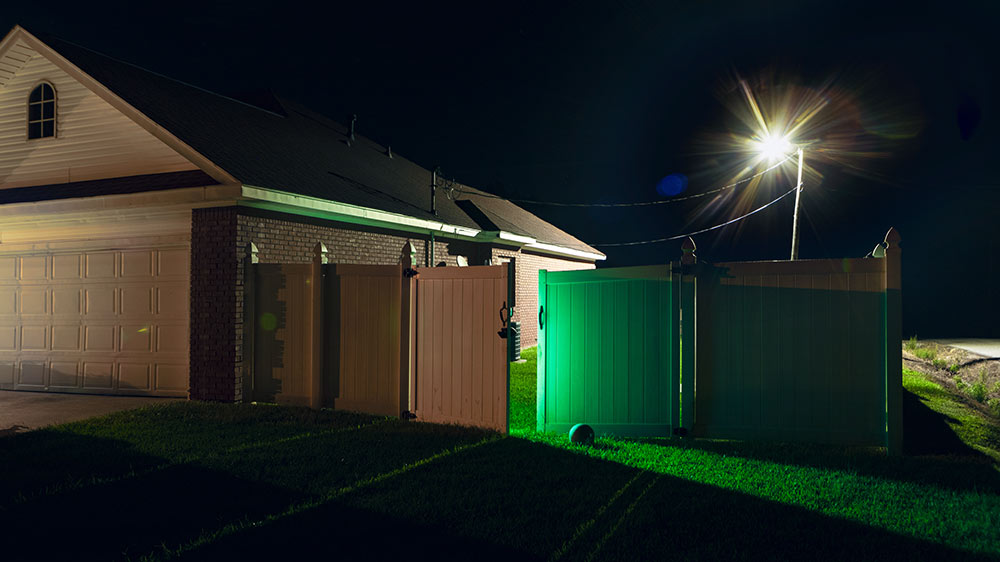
[{"x": 301, "y": 151}]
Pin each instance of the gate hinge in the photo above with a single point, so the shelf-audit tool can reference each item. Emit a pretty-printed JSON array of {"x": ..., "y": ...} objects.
[
  {"x": 407, "y": 415},
  {"x": 409, "y": 272},
  {"x": 680, "y": 431}
]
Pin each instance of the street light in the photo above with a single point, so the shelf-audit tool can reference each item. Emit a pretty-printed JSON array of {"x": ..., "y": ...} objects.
[
  {"x": 773, "y": 148},
  {"x": 795, "y": 214}
]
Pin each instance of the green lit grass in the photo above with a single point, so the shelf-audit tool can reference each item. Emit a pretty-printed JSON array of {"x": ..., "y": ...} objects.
[
  {"x": 197, "y": 481},
  {"x": 905, "y": 496}
]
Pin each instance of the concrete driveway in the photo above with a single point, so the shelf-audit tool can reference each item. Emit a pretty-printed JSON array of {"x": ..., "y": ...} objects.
[
  {"x": 979, "y": 346},
  {"x": 22, "y": 411}
]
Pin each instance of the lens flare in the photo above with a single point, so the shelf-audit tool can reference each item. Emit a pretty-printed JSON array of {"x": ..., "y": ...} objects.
[{"x": 843, "y": 122}]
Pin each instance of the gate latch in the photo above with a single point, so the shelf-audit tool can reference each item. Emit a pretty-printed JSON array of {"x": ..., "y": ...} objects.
[{"x": 503, "y": 319}]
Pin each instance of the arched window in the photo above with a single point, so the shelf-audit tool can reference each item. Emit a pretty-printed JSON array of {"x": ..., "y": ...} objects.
[{"x": 42, "y": 112}]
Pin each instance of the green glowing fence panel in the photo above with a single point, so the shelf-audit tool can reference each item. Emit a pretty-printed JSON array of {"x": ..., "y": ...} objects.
[{"x": 607, "y": 351}]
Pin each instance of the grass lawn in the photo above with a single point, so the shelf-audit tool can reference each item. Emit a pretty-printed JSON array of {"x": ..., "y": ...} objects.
[{"x": 196, "y": 481}]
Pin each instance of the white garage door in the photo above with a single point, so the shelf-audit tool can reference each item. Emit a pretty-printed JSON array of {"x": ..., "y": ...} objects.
[{"x": 96, "y": 321}]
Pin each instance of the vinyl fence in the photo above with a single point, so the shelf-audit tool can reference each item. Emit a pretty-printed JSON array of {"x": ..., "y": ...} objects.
[
  {"x": 806, "y": 350},
  {"x": 387, "y": 340}
]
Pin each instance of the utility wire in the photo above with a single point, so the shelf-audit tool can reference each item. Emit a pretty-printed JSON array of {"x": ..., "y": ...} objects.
[
  {"x": 727, "y": 223},
  {"x": 640, "y": 204}
]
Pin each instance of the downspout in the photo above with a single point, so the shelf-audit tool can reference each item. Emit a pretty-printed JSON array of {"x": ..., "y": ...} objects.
[{"x": 434, "y": 181}]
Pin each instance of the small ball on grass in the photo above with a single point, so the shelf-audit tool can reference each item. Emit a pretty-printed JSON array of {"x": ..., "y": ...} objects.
[{"x": 582, "y": 434}]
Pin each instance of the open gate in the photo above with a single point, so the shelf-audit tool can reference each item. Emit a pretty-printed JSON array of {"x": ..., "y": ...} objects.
[{"x": 460, "y": 369}]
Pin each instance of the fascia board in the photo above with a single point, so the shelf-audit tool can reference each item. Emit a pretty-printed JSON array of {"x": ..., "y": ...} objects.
[
  {"x": 271, "y": 199},
  {"x": 563, "y": 251}
]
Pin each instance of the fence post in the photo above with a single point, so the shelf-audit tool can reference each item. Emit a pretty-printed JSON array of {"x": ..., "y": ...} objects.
[
  {"x": 407, "y": 399},
  {"x": 540, "y": 357},
  {"x": 316, "y": 317},
  {"x": 687, "y": 332},
  {"x": 893, "y": 344},
  {"x": 249, "y": 319}
]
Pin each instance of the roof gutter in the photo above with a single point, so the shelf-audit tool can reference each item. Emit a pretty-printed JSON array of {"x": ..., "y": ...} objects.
[{"x": 261, "y": 198}]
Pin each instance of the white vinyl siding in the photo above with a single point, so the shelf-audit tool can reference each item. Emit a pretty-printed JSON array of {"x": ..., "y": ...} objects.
[{"x": 94, "y": 140}]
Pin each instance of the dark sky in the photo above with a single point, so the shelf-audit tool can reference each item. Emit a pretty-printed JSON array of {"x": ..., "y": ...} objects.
[{"x": 595, "y": 102}]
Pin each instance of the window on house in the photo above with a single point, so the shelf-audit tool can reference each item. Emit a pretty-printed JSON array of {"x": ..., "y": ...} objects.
[{"x": 42, "y": 112}]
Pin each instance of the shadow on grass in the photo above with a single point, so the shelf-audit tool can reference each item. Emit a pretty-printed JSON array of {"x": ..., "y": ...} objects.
[
  {"x": 173, "y": 505},
  {"x": 515, "y": 499},
  {"x": 933, "y": 454},
  {"x": 138, "y": 440}
]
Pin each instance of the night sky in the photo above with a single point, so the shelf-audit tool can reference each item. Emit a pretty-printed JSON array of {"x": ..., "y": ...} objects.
[{"x": 596, "y": 102}]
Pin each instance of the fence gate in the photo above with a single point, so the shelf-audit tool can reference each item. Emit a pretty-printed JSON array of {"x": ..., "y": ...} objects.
[
  {"x": 460, "y": 369},
  {"x": 609, "y": 350}
]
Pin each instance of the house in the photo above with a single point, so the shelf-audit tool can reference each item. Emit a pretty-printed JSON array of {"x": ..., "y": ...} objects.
[{"x": 127, "y": 200}]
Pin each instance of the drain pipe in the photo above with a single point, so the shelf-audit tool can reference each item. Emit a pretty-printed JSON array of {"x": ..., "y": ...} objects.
[{"x": 434, "y": 181}]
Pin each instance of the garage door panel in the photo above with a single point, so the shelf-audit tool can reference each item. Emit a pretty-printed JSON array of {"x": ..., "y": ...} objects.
[
  {"x": 33, "y": 268},
  {"x": 8, "y": 300},
  {"x": 173, "y": 263},
  {"x": 63, "y": 374},
  {"x": 171, "y": 339},
  {"x": 31, "y": 373},
  {"x": 7, "y": 374},
  {"x": 99, "y": 339},
  {"x": 171, "y": 377},
  {"x": 100, "y": 265},
  {"x": 171, "y": 301},
  {"x": 8, "y": 268},
  {"x": 99, "y": 301},
  {"x": 135, "y": 337},
  {"x": 137, "y": 301},
  {"x": 98, "y": 375},
  {"x": 66, "y": 338},
  {"x": 8, "y": 338},
  {"x": 34, "y": 338},
  {"x": 133, "y": 376},
  {"x": 99, "y": 321},
  {"x": 34, "y": 301},
  {"x": 66, "y": 267},
  {"x": 137, "y": 265},
  {"x": 66, "y": 302}
]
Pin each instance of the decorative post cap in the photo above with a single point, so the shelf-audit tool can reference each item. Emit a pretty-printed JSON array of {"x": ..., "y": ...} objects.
[
  {"x": 408, "y": 256},
  {"x": 892, "y": 238},
  {"x": 688, "y": 247},
  {"x": 320, "y": 252},
  {"x": 251, "y": 252}
]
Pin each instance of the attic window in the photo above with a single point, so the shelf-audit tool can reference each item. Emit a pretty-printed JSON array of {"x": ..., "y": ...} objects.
[{"x": 42, "y": 112}]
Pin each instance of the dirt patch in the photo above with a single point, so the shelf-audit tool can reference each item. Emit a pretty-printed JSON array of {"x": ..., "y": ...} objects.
[{"x": 971, "y": 376}]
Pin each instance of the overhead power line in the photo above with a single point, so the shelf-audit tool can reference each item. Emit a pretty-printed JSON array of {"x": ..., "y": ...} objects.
[
  {"x": 718, "y": 226},
  {"x": 639, "y": 204}
]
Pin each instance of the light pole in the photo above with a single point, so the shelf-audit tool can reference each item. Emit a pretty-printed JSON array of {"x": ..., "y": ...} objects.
[
  {"x": 774, "y": 147},
  {"x": 795, "y": 214}
]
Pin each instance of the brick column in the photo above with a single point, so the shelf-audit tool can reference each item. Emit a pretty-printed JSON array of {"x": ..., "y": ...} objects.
[{"x": 216, "y": 291}]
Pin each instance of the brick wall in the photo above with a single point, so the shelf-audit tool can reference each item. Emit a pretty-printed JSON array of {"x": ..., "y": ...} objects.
[
  {"x": 214, "y": 330},
  {"x": 219, "y": 237},
  {"x": 526, "y": 266}
]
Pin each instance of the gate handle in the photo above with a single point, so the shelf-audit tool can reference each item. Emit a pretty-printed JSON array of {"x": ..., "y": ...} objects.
[
  {"x": 541, "y": 324},
  {"x": 503, "y": 307}
]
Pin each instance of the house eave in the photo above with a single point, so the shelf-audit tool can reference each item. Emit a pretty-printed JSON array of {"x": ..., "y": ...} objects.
[{"x": 283, "y": 201}]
